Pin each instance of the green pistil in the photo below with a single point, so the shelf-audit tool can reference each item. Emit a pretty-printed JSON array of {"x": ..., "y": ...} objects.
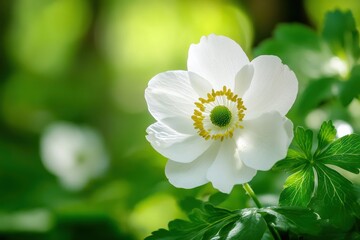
[{"x": 220, "y": 116}]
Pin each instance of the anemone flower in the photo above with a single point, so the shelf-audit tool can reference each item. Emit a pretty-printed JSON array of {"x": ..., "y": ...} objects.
[{"x": 224, "y": 118}]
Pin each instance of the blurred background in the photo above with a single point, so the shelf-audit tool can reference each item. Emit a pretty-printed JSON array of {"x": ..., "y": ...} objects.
[{"x": 74, "y": 162}]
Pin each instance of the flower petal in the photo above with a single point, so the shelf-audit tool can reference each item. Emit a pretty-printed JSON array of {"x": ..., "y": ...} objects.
[
  {"x": 217, "y": 59},
  {"x": 180, "y": 125},
  {"x": 200, "y": 85},
  {"x": 170, "y": 94},
  {"x": 273, "y": 88},
  {"x": 228, "y": 169},
  {"x": 265, "y": 140},
  {"x": 190, "y": 175},
  {"x": 183, "y": 148},
  {"x": 243, "y": 79}
]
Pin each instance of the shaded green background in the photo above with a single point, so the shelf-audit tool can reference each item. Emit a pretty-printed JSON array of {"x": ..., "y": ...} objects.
[{"x": 88, "y": 63}]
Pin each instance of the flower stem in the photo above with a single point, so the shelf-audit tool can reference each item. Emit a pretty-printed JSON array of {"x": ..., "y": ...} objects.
[
  {"x": 253, "y": 196},
  {"x": 274, "y": 232},
  {"x": 251, "y": 193}
]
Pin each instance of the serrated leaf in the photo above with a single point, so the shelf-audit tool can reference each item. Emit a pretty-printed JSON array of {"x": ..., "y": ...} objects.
[
  {"x": 326, "y": 135},
  {"x": 316, "y": 185},
  {"x": 292, "y": 162},
  {"x": 295, "y": 219},
  {"x": 344, "y": 153},
  {"x": 250, "y": 226},
  {"x": 303, "y": 140},
  {"x": 298, "y": 188},
  {"x": 336, "y": 193},
  {"x": 214, "y": 223},
  {"x": 341, "y": 34},
  {"x": 299, "y": 152}
]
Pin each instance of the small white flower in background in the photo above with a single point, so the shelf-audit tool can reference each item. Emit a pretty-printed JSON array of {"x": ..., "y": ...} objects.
[
  {"x": 74, "y": 154},
  {"x": 224, "y": 118},
  {"x": 342, "y": 128}
]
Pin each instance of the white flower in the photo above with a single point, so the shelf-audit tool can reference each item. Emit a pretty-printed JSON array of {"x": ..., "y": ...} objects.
[
  {"x": 74, "y": 154},
  {"x": 224, "y": 118}
]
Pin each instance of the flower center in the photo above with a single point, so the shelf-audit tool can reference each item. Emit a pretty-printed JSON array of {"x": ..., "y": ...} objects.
[
  {"x": 220, "y": 116},
  {"x": 217, "y": 116}
]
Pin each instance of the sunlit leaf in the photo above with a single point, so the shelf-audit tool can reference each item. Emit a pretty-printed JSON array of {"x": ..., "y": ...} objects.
[
  {"x": 303, "y": 139},
  {"x": 296, "y": 219},
  {"x": 250, "y": 226},
  {"x": 316, "y": 185},
  {"x": 344, "y": 153},
  {"x": 214, "y": 223},
  {"x": 326, "y": 135},
  {"x": 209, "y": 222},
  {"x": 334, "y": 197},
  {"x": 298, "y": 188},
  {"x": 300, "y": 152}
]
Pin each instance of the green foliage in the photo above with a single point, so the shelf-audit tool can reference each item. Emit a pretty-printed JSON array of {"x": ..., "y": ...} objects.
[
  {"x": 314, "y": 184},
  {"x": 326, "y": 135},
  {"x": 301, "y": 151},
  {"x": 343, "y": 38},
  {"x": 209, "y": 222},
  {"x": 298, "y": 188},
  {"x": 327, "y": 62},
  {"x": 344, "y": 153},
  {"x": 316, "y": 92},
  {"x": 351, "y": 88},
  {"x": 300, "y": 47},
  {"x": 295, "y": 219},
  {"x": 341, "y": 34}
]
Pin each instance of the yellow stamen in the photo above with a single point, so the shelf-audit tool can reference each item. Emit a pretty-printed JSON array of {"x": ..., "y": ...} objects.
[{"x": 198, "y": 116}]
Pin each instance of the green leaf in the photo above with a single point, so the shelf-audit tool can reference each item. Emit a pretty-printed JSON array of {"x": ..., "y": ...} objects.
[
  {"x": 250, "y": 226},
  {"x": 218, "y": 198},
  {"x": 303, "y": 140},
  {"x": 267, "y": 236},
  {"x": 292, "y": 163},
  {"x": 214, "y": 223},
  {"x": 344, "y": 153},
  {"x": 313, "y": 184},
  {"x": 209, "y": 222},
  {"x": 298, "y": 188},
  {"x": 350, "y": 89},
  {"x": 315, "y": 93},
  {"x": 299, "y": 153},
  {"x": 326, "y": 135},
  {"x": 336, "y": 193},
  {"x": 189, "y": 203},
  {"x": 341, "y": 34},
  {"x": 295, "y": 219}
]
